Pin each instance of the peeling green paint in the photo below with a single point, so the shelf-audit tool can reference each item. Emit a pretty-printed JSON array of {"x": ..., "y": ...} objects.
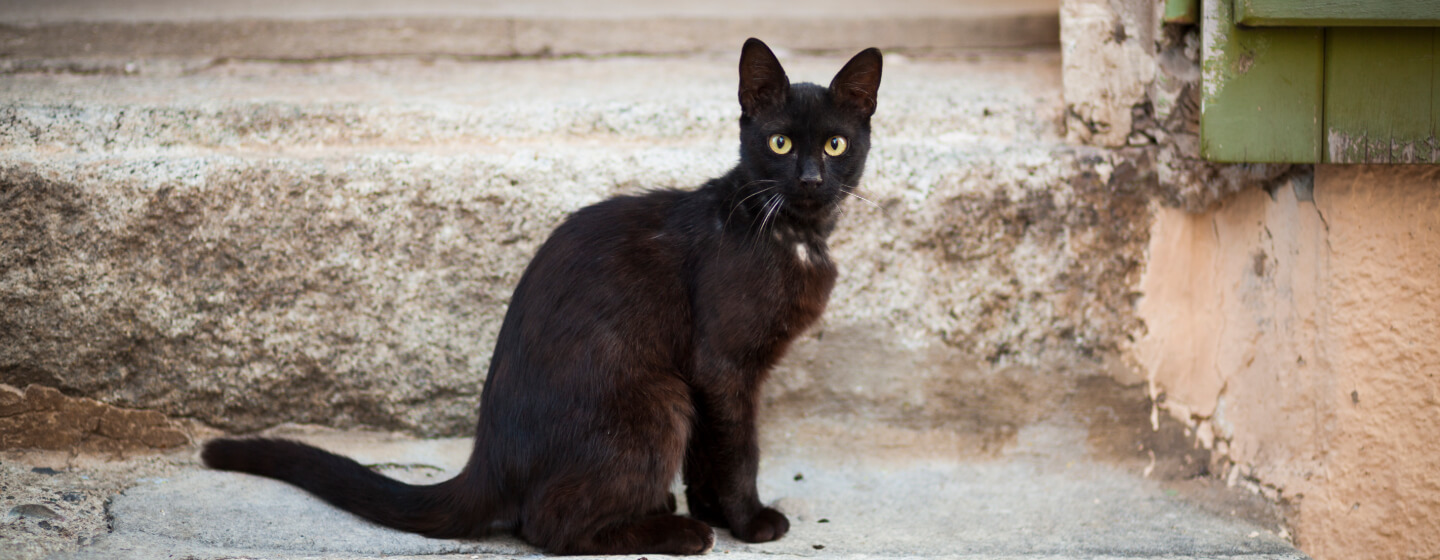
[
  {"x": 1263, "y": 90},
  {"x": 1313, "y": 95},
  {"x": 1182, "y": 11},
  {"x": 1337, "y": 13},
  {"x": 1380, "y": 95}
]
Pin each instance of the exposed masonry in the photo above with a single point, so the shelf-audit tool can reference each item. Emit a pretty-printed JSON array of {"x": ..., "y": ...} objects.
[
  {"x": 42, "y": 418},
  {"x": 296, "y": 244}
]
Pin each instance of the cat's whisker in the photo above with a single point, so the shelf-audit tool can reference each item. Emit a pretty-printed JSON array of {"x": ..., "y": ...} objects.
[
  {"x": 846, "y": 189},
  {"x": 766, "y": 212},
  {"x": 752, "y": 195},
  {"x": 774, "y": 209}
]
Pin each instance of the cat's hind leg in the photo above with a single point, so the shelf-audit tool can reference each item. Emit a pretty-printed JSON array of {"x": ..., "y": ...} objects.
[
  {"x": 612, "y": 493},
  {"x": 657, "y": 534},
  {"x": 616, "y": 514}
]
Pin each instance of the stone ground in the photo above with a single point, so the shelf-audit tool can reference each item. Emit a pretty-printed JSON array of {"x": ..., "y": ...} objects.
[{"x": 852, "y": 490}]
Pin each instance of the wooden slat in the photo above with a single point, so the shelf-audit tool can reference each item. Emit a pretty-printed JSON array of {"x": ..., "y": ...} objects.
[
  {"x": 1181, "y": 11},
  {"x": 1380, "y": 95},
  {"x": 1435, "y": 97},
  {"x": 1337, "y": 13},
  {"x": 1262, "y": 95}
]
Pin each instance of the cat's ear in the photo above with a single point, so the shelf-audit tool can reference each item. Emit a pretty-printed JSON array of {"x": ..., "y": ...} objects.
[
  {"x": 763, "y": 84},
  {"x": 858, "y": 82}
]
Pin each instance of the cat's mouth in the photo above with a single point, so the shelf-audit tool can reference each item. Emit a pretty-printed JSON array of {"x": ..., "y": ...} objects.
[{"x": 809, "y": 204}]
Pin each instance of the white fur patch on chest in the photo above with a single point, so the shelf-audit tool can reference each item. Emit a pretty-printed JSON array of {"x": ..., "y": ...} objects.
[{"x": 802, "y": 252}]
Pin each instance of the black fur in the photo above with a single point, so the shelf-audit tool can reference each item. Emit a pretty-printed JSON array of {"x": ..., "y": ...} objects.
[{"x": 634, "y": 348}]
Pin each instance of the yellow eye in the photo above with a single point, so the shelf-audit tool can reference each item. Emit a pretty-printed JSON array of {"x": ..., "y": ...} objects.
[
  {"x": 836, "y": 145},
  {"x": 780, "y": 144}
]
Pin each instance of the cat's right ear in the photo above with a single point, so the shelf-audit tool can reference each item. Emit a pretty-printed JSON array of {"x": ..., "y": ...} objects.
[{"x": 763, "y": 84}]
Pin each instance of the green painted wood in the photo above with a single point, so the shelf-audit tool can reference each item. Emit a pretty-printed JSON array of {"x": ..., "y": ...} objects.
[
  {"x": 1262, "y": 94},
  {"x": 1381, "y": 95},
  {"x": 1337, "y": 13},
  {"x": 1181, "y": 11},
  {"x": 1435, "y": 99}
]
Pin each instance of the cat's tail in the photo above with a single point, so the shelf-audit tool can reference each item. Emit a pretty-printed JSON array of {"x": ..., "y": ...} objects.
[{"x": 449, "y": 509}]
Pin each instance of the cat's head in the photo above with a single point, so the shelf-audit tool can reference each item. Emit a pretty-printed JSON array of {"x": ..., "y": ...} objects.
[{"x": 805, "y": 141}]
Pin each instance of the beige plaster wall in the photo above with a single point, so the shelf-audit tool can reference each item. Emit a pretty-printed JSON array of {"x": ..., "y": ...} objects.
[{"x": 1301, "y": 339}]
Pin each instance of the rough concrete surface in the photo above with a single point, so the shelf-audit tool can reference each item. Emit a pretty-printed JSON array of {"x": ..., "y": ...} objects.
[
  {"x": 878, "y": 493},
  {"x": 57, "y": 501},
  {"x": 252, "y": 243},
  {"x": 310, "y": 29}
]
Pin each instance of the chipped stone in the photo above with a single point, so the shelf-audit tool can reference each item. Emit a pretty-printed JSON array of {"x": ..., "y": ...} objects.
[
  {"x": 33, "y": 511},
  {"x": 55, "y": 421},
  {"x": 12, "y": 401}
]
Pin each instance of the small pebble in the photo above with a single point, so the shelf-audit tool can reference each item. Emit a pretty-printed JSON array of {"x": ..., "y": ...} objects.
[
  {"x": 799, "y": 476},
  {"x": 44, "y": 470},
  {"x": 819, "y": 547},
  {"x": 823, "y": 520},
  {"x": 34, "y": 511}
]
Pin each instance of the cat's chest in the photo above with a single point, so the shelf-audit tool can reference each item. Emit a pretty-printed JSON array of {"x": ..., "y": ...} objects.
[
  {"x": 797, "y": 276},
  {"x": 808, "y": 253},
  {"x": 807, "y": 256},
  {"x": 808, "y": 281}
]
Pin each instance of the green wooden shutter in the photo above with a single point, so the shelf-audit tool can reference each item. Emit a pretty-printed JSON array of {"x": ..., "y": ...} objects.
[{"x": 1317, "y": 81}]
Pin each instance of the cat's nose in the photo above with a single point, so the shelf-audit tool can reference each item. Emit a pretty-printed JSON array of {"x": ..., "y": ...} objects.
[{"x": 810, "y": 173}]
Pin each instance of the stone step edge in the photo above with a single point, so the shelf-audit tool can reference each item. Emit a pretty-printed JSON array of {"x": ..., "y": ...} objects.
[
  {"x": 491, "y": 37},
  {"x": 25, "y": 124},
  {"x": 483, "y": 148}
]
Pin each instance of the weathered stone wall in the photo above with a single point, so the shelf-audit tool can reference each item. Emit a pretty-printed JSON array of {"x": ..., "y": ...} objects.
[{"x": 297, "y": 243}]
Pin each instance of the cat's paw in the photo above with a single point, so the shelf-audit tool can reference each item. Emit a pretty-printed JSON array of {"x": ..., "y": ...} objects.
[
  {"x": 767, "y": 525},
  {"x": 689, "y": 537},
  {"x": 707, "y": 539}
]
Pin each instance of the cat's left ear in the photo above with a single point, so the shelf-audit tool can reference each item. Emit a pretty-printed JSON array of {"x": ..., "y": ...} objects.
[{"x": 858, "y": 83}]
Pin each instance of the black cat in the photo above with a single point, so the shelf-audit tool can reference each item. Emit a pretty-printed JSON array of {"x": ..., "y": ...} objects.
[{"x": 635, "y": 346}]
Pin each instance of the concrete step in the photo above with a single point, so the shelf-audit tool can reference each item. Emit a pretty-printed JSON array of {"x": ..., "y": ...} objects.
[
  {"x": 485, "y": 157},
  {"x": 217, "y": 243},
  {"x": 310, "y": 29},
  {"x": 851, "y": 490},
  {"x": 992, "y": 103}
]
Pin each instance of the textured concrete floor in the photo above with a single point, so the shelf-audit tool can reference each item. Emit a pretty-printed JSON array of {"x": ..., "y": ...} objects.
[{"x": 1042, "y": 497}]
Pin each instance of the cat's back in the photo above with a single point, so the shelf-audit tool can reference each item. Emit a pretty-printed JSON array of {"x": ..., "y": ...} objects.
[
  {"x": 617, "y": 266},
  {"x": 620, "y": 232}
]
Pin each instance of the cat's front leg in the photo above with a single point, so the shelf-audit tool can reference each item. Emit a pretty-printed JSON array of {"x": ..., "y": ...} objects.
[{"x": 721, "y": 462}]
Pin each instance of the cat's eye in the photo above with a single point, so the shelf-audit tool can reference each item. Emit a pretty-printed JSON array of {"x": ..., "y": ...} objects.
[
  {"x": 836, "y": 145},
  {"x": 780, "y": 144}
]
